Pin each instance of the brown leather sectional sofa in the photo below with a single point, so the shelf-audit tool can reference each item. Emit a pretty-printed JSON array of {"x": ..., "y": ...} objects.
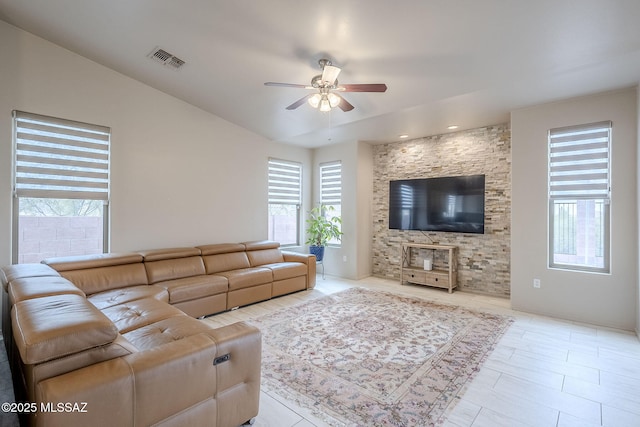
[{"x": 112, "y": 339}]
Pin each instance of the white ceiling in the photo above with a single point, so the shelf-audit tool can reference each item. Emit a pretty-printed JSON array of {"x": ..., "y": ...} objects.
[{"x": 462, "y": 62}]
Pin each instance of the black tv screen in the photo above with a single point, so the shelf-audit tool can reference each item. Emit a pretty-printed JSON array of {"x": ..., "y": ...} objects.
[{"x": 453, "y": 203}]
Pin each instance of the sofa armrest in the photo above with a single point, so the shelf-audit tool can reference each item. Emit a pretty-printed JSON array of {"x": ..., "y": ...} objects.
[{"x": 309, "y": 260}]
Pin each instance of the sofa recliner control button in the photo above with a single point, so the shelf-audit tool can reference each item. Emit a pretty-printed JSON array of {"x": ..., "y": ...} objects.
[{"x": 221, "y": 359}]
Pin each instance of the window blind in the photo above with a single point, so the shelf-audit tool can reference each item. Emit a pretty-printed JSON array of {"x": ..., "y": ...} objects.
[
  {"x": 331, "y": 183},
  {"x": 285, "y": 182},
  {"x": 56, "y": 158},
  {"x": 579, "y": 161}
]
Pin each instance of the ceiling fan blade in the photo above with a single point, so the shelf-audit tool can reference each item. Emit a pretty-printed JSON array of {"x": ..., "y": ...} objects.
[
  {"x": 330, "y": 74},
  {"x": 344, "y": 104},
  {"x": 288, "y": 85},
  {"x": 373, "y": 87},
  {"x": 299, "y": 102}
]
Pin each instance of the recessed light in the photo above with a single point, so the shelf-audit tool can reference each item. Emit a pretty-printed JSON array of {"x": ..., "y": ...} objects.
[
  {"x": 403, "y": 136},
  {"x": 452, "y": 127}
]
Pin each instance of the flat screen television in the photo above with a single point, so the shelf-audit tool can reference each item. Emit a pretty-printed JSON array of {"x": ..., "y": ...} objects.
[{"x": 452, "y": 203}]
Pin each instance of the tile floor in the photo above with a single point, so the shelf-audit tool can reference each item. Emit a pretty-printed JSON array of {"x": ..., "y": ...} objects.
[{"x": 543, "y": 372}]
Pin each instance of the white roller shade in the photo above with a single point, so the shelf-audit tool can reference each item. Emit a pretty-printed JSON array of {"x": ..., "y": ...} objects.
[
  {"x": 579, "y": 161},
  {"x": 58, "y": 158},
  {"x": 285, "y": 182},
  {"x": 331, "y": 183}
]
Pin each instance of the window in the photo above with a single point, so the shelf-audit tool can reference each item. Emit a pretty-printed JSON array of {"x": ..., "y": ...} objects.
[
  {"x": 331, "y": 190},
  {"x": 61, "y": 187},
  {"x": 285, "y": 197},
  {"x": 579, "y": 197}
]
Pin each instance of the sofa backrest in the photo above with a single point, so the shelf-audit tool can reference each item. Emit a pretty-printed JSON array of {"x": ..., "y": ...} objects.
[
  {"x": 224, "y": 257},
  {"x": 174, "y": 263},
  {"x": 98, "y": 273},
  {"x": 263, "y": 252}
]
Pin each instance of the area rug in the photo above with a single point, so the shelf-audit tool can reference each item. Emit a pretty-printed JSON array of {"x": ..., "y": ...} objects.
[{"x": 370, "y": 358}]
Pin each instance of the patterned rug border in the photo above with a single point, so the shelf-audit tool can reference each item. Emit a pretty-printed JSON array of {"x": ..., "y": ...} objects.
[{"x": 439, "y": 380}]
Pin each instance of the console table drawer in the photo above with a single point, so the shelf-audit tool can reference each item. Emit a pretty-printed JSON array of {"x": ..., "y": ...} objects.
[
  {"x": 439, "y": 280},
  {"x": 414, "y": 277}
]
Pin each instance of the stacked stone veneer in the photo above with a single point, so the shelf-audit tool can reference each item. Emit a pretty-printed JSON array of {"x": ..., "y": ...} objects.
[{"x": 483, "y": 259}]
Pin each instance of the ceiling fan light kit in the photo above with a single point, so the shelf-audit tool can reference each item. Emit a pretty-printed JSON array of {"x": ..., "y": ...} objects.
[
  {"x": 324, "y": 100},
  {"x": 314, "y": 100},
  {"x": 334, "y": 99}
]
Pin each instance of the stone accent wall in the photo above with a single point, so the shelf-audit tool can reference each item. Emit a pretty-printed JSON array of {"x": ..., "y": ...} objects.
[{"x": 483, "y": 259}]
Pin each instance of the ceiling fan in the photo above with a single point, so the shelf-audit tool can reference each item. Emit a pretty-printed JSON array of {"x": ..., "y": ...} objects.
[{"x": 326, "y": 85}]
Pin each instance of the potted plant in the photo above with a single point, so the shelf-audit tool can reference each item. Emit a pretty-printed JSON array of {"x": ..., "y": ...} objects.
[{"x": 322, "y": 226}]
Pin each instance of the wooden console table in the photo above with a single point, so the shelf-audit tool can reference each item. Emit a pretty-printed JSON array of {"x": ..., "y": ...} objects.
[{"x": 441, "y": 276}]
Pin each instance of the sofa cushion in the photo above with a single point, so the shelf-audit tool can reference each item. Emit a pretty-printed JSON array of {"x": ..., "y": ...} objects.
[
  {"x": 168, "y": 253},
  {"x": 286, "y": 270},
  {"x": 83, "y": 262},
  {"x": 106, "y": 299},
  {"x": 101, "y": 272},
  {"x": 20, "y": 271},
  {"x": 221, "y": 248},
  {"x": 247, "y": 277},
  {"x": 158, "y": 271},
  {"x": 263, "y": 252},
  {"x": 36, "y": 287},
  {"x": 225, "y": 262},
  {"x": 142, "y": 312},
  {"x": 264, "y": 256},
  {"x": 190, "y": 288},
  {"x": 50, "y": 327},
  {"x": 95, "y": 280},
  {"x": 165, "y": 331},
  {"x": 260, "y": 245}
]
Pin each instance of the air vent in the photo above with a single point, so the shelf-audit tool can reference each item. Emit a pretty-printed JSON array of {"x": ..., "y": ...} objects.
[{"x": 165, "y": 58}]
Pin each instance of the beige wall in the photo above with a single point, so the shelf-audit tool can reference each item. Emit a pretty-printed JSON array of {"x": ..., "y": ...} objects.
[
  {"x": 352, "y": 259},
  {"x": 603, "y": 299},
  {"x": 180, "y": 176},
  {"x": 364, "y": 212}
]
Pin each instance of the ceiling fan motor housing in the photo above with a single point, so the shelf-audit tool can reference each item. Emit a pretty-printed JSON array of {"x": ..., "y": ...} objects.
[{"x": 318, "y": 83}]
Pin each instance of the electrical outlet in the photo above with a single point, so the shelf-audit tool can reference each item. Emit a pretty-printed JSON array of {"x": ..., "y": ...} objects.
[
  {"x": 536, "y": 283},
  {"x": 344, "y": 258}
]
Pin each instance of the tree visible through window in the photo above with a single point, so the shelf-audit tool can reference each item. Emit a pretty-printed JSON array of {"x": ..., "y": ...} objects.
[{"x": 579, "y": 197}]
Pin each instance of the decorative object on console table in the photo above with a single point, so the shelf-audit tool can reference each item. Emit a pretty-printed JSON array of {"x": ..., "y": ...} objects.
[{"x": 439, "y": 276}]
